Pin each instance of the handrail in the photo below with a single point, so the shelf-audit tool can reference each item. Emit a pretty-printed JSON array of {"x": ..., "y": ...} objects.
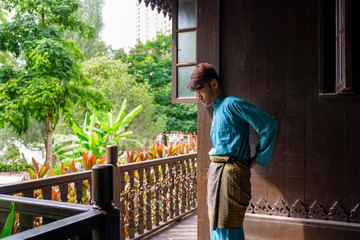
[
  {"x": 41, "y": 207},
  {"x": 99, "y": 221},
  {"x": 70, "y": 227},
  {"x": 35, "y": 184},
  {"x": 158, "y": 161}
]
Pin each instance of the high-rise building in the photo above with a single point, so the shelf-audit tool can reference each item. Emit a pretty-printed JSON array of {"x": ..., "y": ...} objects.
[{"x": 149, "y": 22}]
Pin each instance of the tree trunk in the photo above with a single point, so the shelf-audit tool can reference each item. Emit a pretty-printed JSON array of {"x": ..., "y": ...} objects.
[{"x": 49, "y": 137}]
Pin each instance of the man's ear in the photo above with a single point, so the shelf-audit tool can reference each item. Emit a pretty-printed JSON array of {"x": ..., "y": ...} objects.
[{"x": 214, "y": 83}]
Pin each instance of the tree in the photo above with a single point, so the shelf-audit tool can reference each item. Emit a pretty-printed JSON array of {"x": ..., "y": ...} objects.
[
  {"x": 111, "y": 77},
  {"x": 151, "y": 62},
  {"x": 49, "y": 81}
]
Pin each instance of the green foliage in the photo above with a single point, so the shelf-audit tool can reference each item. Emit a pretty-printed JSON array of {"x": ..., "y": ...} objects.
[
  {"x": 50, "y": 80},
  {"x": 112, "y": 78},
  {"x": 3, "y": 14},
  {"x": 14, "y": 167},
  {"x": 151, "y": 62},
  {"x": 9, "y": 222},
  {"x": 100, "y": 129}
]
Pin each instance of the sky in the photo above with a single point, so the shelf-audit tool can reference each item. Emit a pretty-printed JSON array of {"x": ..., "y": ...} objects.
[{"x": 119, "y": 23}]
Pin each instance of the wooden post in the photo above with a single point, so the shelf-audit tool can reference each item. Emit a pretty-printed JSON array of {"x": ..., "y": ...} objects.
[
  {"x": 112, "y": 158},
  {"x": 112, "y": 155},
  {"x": 102, "y": 195}
]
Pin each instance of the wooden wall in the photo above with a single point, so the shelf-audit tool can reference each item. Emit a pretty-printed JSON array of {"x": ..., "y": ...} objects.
[{"x": 270, "y": 53}]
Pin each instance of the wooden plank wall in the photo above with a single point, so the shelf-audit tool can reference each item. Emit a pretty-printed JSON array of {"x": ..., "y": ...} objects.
[
  {"x": 208, "y": 39},
  {"x": 270, "y": 54}
]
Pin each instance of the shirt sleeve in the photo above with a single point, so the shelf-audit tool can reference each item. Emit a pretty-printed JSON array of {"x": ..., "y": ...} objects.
[{"x": 264, "y": 124}]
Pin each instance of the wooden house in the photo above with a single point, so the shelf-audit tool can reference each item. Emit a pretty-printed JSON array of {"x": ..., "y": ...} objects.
[{"x": 295, "y": 60}]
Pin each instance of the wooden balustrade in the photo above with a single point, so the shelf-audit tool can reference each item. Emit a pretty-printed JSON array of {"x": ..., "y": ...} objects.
[
  {"x": 69, "y": 220},
  {"x": 149, "y": 194},
  {"x": 47, "y": 185},
  {"x": 154, "y": 193}
]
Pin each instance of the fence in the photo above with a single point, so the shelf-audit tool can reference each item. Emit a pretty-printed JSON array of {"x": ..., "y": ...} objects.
[
  {"x": 154, "y": 193},
  {"x": 149, "y": 194},
  {"x": 61, "y": 220}
]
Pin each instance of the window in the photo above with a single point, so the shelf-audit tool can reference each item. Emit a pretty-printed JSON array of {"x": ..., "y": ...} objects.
[
  {"x": 340, "y": 78},
  {"x": 343, "y": 46},
  {"x": 184, "y": 49}
]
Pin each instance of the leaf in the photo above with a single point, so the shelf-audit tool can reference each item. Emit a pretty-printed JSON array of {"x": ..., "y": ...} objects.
[
  {"x": 72, "y": 166},
  {"x": 55, "y": 195},
  {"x": 94, "y": 143},
  {"x": 9, "y": 222},
  {"x": 64, "y": 169},
  {"x": 35, "y": 165},
  {"x": 32, "y": 174},
  {"x": 71, "y": 192},
  {"x": 71, "y": 200},
  {"x": 92, "y": 162},
  {"x": 79, "y": 133},
  {"x": 86, "y": 184},
  {"x": 131, "y": 157},
  {"x": 44, "y": 170},
  {"x": 140, "y": 157},
  {"x": 160, "y": 150},
  {"x": 93, "y": 119},
  {"x": 103, "y": 160},
  {"x": 87, "y": 119},
  {"x": 131, "y": 115},
  {"x": 85, "y": 160},
  {"x": 121, "y": 113},
  {"x": 84, "y": 191},
  {"x": 106, "y": 127},
  {"x": 123, "y": 135}
]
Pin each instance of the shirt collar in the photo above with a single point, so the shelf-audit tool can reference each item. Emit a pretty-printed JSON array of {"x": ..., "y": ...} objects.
[{"x": 219, "y": 100}]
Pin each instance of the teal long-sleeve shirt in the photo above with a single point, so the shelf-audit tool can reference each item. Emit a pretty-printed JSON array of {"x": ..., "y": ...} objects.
[{"x": 230, "y": 129}]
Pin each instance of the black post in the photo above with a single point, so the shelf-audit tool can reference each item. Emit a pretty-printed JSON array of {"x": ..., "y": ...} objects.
[{"x": 102, "y": 195}]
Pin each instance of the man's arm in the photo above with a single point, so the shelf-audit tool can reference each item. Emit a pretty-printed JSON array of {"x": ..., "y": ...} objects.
[{"x": 264, "y": 124}]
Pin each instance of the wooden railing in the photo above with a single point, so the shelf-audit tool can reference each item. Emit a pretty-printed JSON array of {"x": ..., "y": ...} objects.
[
  {"x": 149, "y": 194},
  {"x": 61, "y": 220},
  {"x": 154, "y": 193},
  {"x": 46, "y": 185}
]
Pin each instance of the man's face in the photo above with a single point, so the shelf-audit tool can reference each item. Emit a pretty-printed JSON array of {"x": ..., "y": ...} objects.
[{"x": 208, "y": 94}]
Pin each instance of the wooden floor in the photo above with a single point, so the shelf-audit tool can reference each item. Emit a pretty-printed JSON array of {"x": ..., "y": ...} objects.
[{"x": 186, "y": 229}]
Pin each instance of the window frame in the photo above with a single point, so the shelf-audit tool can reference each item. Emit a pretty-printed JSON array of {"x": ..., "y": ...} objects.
[
  {"x": 343, "y": 65},
  {"x": 175, "y": 64}
]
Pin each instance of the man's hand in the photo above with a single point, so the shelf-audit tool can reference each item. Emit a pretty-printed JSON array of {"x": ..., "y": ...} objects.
[{"x": 252, "y": 163}]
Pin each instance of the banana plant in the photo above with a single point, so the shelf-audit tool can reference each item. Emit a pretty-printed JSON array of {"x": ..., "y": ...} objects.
[
  {"x": 114, "y": 126},
  {"x": 101, "y": 129}
]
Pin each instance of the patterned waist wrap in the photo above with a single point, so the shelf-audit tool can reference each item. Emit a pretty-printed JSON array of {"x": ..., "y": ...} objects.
[{"x": 228, "y": 191}]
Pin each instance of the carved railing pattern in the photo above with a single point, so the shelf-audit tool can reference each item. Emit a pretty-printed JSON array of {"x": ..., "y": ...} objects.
[
  {"x": 298, "y": 210},
  {"x": 154, "y": 193}
]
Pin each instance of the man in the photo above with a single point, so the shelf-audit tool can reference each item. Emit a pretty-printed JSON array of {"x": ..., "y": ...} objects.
[{"x": 228, "y": 187}]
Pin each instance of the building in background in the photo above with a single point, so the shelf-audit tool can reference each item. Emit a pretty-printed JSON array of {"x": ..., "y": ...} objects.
[{"x": 149, "y": 22}]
